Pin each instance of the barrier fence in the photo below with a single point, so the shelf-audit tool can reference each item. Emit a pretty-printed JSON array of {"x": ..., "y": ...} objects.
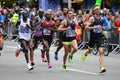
[{"x": 112, "y": 37}]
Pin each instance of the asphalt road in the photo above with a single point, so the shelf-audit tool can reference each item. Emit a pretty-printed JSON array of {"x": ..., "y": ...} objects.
[{"x": 12, "y": 68}]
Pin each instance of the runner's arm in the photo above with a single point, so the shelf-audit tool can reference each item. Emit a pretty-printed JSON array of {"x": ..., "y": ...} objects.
[
  {"x": 62, "y": 28},
  {"x": 54, "y": 27},
  {"x": 88, "y": 25},
  {"x": 17, "y": 25}
]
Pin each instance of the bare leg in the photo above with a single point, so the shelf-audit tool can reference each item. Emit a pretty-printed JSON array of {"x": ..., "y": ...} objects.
[
  {"x": 25, "y": 50},
  {"x": 75, "y": 47},
  {"x": 66, "y": 49},
  {"x": 59, "y": 46},
  {"x": 1, "y": 45},
  {"x": 101, "y": 56},
  {"x": 101, "y": 60},
  {"x": 47, "y": 47},
  {"x": 31, "y": 52}
]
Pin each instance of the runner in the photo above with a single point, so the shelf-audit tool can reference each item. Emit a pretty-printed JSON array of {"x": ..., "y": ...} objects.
[
  {"x": 41, "y": 18},
  {"x": 48, "y": 26},
  {"x": 37, "y": 32},
  {"x": 64, "y": 16},
  {"x": 25, "y": 39},
  {"x": 68, "y": 28},
  {"x": 2, "y": 30},
  {"x": 94, "y": 25},
  {"x": 60, "y": 45},
  {"x": 37, "y": 36}
]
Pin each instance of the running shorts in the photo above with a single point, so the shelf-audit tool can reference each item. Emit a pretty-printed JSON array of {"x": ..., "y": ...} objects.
[{"x": 67, "y": 42}]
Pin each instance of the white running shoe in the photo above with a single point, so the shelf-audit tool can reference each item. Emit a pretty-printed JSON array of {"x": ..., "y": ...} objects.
[{"x": 29, "y": 66}]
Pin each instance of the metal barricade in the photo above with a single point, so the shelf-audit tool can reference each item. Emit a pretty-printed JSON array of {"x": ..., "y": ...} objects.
[
  {"x": 85, "y": 39},
  {"x": 9, "y": 34},
  {"x": 115, "y": 41},
  {"x": 112, "y": 37}
]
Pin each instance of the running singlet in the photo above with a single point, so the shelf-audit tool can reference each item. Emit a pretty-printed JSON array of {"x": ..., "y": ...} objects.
[
  {"x": 97, "y": 22},
  {"x": 69, "y": 35},
  {"x": 46, "y": 32},
  {"x": 38, "y": 31},
  {"x": 24, "y": 31}
]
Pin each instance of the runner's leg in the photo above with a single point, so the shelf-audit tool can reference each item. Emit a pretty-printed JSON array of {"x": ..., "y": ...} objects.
[
  {"x": 47, "y": 47},
  {"x": 58, "y": 48},
  {"x": 75, "y": 48},
  {"x": 31, "y": 52}
]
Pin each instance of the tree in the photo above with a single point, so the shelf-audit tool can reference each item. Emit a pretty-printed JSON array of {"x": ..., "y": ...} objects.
[
  {"x": 115, "y": 3},
  {"x": 112, "y": 3},
  {"x": 8, "y": 2}
]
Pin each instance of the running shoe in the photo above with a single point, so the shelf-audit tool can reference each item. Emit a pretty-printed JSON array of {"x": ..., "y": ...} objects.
[
  {"x": 32, "y": 62},
  {"x": 65, "y": 68},
  {"x": 70, "y": 59},
  {"x": 44, "y": 59},
  {"x": 102, "y": 70},
  {"x": 84, "y": 56},
  {"x": 29, "y": 67},
  {"x": 56, "y": 56},
  {"x": 43, "y": 56},
  {"x": 17, "y": 52},
  {"x": 49, "y": 65}
]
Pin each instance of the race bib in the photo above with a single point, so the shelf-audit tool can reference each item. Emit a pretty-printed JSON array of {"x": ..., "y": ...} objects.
[
  {"x": 98, "y": 30},
  {"x": 24, "y": 29},
  {"x": 70, "y": 33},
  {"x": 46, "y": 31}
]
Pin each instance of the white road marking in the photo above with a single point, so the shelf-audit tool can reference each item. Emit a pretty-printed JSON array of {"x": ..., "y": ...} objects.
[
  {"x": 14, "y": 47},
  {"x": 81, "y": 71}
]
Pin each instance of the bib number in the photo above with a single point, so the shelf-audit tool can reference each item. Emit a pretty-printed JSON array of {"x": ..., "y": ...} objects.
[
  {"x": 98, "y": 30},
  {"x": 24, "y": 29},
  {"x": 46, "y": 31},
  {"x": 70, "y": 33}
]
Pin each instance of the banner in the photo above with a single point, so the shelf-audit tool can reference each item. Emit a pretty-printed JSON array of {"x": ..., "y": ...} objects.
[
  {"x": 98, "y": 2},
  {"x": 50, "y": 4},
  {"x": 78, "y": 31},
  {"x": 107, "y": 23}
]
